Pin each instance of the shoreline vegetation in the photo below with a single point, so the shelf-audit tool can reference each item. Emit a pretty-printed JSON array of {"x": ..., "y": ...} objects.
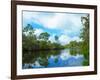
[{"x": 31, "y": 42}]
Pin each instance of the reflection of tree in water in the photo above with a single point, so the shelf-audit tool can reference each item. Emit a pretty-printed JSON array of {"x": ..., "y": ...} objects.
[
  {"x": 39, "y": 56},
  {"x": 56, "y": 60},
  {"x": 75, "y": 51},
  {"x": 79, "y": 51}
]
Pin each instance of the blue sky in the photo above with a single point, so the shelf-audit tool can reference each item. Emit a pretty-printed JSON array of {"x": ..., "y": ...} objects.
[{"x": 66, "y": 26}]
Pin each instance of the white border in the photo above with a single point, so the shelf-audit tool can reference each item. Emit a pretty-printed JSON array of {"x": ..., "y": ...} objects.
[{"x": 52, "y": 70}]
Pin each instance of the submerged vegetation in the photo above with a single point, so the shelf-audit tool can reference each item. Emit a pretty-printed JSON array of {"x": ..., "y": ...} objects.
[{"x": 31, "y": 42}]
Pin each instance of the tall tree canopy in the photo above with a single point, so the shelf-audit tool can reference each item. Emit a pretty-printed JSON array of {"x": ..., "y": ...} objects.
[
  {"x": 56, "y": 38},
  {"x": 44, "y": 36},
  {"x": 85, "y": 31},
  {"x": 85, "y": 37}
]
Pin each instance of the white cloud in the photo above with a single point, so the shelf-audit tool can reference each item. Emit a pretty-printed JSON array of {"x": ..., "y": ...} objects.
[
  {"x": 69, "y": 24},
  {"x": 65, "y": 56},
  {"x": 78, "y": 56},
  {"x": 62, "y": 21},
  {"x": 52, "y": 38},
  {"x": 29, "y": 15},
  {"x": 53, "y": 57},
  {"x": 38, "y": 32},
  {"x": 55, "y": 20},
  {"x": 32, "y": 17},
  {"x": 65, "y": 21},
  {"x": 64, "y": 39},
  {"x": 27, "y": 33},
  {"x": 37, "y": 64},
  {"x": 76, "y": 38}
]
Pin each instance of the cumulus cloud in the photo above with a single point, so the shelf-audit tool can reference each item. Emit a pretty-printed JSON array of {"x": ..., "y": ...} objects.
[
  {"x": 29, "y": 15},
  {"x": 64, "y": 39},
  {"x": 69, "y": 24},
  {"x": 62, "y": 21},
  {"x": 38, "y": 32},
  {"x": 52, "y": 38},
  {"x": 76, "y": 38},
  {"x": 55, "y": 20}
]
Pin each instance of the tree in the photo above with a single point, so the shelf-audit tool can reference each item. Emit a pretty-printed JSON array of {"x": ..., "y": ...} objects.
[
  {"x": 28, "y": 37},
  {"x": 85, "y": 31},
  {"x": 56, "y": 38},
  {"x": 28, "y": 28},
  {"x": 73, "y": 44},
  {"x": 85, "y": 37},
  {"x": 44, "y": 36}
]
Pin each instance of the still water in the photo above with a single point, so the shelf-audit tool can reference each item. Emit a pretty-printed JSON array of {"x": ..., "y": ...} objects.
[{"x": 51, "y": 58}]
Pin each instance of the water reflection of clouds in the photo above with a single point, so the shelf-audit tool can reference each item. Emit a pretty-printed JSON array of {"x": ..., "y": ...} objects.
[
  {"x": 53, "y": 57},
  {"x": 63, "y": 59},
  {"x": 37, "y": 64},
  {"x": 78, "y": 56},
  {"x": 65, "y": 54}
]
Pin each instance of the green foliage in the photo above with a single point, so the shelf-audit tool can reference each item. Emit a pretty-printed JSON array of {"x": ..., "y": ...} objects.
[
  {"x": 74, "y": 47},
  {"x": 28, "y": 37},
  {"x": 85, "y": 37},
  {"x": 28, "y": 28},
  {"x": 44, "y": 36},
  {"x": 85, "y": 31},
  {"x": 56, "y": 38},
  {"x": 39, "y": 56},
  {"x": 31, "y": 42},
  {"x": 85, "y": 62},
  {"x": 81, "y": 47}
]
